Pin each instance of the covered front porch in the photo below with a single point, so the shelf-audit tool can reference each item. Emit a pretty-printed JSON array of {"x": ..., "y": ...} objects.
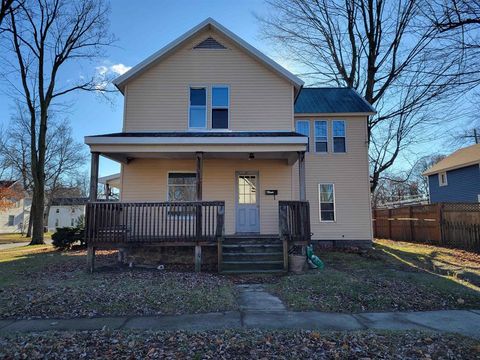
[{"x": 176, "y": 195}]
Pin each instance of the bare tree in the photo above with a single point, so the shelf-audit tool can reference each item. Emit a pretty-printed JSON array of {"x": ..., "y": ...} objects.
[
  {"x": 64, "y": 157},
  {"x": 451, "y": 15},
  {"x": 45, "y": 36},
  {"x": 5, "y": 8},
  {"x": 388, "y": 50}
]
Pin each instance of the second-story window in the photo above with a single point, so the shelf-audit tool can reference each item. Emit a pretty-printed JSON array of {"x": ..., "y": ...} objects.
[
  {"x": 339, "y": 145},
  {"x": 198, "y": 108},
  {"x": 303, "y": 127},
  {"x": 220, "y": 107},
  {"x": 321, "y": 136}
]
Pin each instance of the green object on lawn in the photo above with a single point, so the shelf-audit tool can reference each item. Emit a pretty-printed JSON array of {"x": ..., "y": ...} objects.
[{"x": 314, "y": 258}]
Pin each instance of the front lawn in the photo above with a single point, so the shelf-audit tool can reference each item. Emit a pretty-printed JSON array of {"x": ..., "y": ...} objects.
[
  {"x": 17, "y": 238},
  {"x": 392, "y": 276},
  {"x": 238, "y": 344},
  {"x": 38, "y": 282}
]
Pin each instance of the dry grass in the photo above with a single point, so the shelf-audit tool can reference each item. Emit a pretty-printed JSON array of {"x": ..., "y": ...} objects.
[{"x": 392, "y": 276}]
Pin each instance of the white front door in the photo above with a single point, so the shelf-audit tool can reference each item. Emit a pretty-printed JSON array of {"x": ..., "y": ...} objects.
[{"x": 247, "y": 205}]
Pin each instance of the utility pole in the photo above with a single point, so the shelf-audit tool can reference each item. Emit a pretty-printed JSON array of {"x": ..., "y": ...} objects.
[{"x": 475, "y": 136}]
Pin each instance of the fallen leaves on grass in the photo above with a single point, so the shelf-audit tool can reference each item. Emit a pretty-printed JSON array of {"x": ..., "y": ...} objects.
[
  {"x": 65, "y": 290},
  {"x": 247, "y": 344}
]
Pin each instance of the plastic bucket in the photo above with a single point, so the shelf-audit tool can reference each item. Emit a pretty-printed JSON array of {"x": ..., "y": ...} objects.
[{"x": 296, "y": 263}]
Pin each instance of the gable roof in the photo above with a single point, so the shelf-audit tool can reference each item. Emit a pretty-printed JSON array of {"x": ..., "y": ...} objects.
[
  {"x": 331, "y": 100},
  {"x": 461, "y": 158},
  {"x": 208, "y": 23},
  {"x": 6, "y": 183},
  {"x": 69, "y": 201}
]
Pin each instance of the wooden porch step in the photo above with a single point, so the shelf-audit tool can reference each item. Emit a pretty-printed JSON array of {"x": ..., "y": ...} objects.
[
  {"x": 252, "y": 265},
  {"x": 253, "y": 271},
  {"x": 253, "y": 256}
]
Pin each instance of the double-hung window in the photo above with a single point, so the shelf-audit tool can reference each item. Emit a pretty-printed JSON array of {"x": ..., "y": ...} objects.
[
  {"x": 303, "y": 127},
  {"x": 339, "y": 143},
  {"x": 442, "y": 179},
  {"x": 326, "y": 194},
  {"x": 321, "y": 136},
  {"x": 198, "y": 108},
  {"x": 220, "y": 107}
]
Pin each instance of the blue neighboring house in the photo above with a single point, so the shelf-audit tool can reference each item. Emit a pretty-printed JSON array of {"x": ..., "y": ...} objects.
[{"x": 457, "y": 177}]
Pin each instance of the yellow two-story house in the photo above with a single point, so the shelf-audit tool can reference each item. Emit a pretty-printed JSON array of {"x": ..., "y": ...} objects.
[{"x": 224, "y": 150}]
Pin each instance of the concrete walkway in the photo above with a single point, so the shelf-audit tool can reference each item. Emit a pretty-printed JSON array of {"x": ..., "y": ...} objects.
[
  {"x": 458, "y": 321},
  {"x": 20, "y": 244},
  {"x": 261, "y": 310}
]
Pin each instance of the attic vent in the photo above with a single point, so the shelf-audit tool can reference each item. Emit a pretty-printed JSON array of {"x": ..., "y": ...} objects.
[{"x": 209, "y": 43}]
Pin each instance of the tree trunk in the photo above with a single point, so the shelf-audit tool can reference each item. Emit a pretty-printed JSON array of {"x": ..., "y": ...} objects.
[
  {"x": 30, "y": 220},
  {"x": 37, "y": 218}
]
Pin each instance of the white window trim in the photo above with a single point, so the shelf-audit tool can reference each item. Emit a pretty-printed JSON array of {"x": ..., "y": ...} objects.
[
  {"x": 315, "y": 138},
  {"x": 219, "y": 107},
  {"x": 320, "y": 204},
  {"x": 197, "y": 106},
  {"x": 309, "y": 132},
  {"x": 345, "y": 137},
  {"x": 440, "y": 182}
]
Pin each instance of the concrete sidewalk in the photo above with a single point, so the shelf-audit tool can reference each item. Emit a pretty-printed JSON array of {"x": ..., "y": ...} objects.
[{"x": 458, "y": 321}]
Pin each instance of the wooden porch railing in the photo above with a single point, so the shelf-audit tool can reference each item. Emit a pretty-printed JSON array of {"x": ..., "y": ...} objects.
[
  {"x": 294, "y": 221},
  {"x": 294, "y": 225},
  {"x": 154, "y": 222}
]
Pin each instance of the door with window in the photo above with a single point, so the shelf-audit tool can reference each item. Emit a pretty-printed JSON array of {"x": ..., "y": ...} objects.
[{"x": 247, "y": 204}]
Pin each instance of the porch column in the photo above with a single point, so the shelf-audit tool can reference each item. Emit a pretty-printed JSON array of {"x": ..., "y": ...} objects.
[
  {"x": 93, "y": 197},
  {"x": 199, "y": 158},
  {"x": 301, "y": 175},
  {"x": 94, "y": 176},
  {"x": 199, "y": 178}
]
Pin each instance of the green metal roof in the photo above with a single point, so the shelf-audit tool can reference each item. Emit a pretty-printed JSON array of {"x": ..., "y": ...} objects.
[{"x": 331, "y": 100}]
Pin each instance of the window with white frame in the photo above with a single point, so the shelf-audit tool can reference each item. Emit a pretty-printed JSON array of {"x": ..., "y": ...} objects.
[
  {"x": 11, "y": 220},
  {"x": 442, "y": 179},
  {"x": 198, "y": 108},
  {"x": 303, "y": 127},
  {"x": 326, "y": 195},
  {"x": 220, "y": 107},
  {"x": 321, "y": 136},
  {"x": 182, "y": 186},
  {"x": 339, "y": 136}
]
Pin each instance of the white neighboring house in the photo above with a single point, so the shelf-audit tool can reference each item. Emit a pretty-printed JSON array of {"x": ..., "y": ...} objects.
[
  {"x": 15, "y": 219},
  {"x": 64, "y": 212}
]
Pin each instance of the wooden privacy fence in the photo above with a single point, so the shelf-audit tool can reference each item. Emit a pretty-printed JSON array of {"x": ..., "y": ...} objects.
[{"x": 448, "y": 224}]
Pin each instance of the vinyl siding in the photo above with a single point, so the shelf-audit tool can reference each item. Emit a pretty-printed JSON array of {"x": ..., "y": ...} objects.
[
  {"x": 158, "y": 99},
  {"x": 463, "y": 186},
  {"x": 21, "y": 212},
  {"x": 64, "y": 216},
  {"x": 349, "y": 173},
  {"x": 146, "y": 180}
]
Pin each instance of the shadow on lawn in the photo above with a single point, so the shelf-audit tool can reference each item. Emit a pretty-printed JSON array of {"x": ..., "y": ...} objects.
[{"x": 434, "y": 264}]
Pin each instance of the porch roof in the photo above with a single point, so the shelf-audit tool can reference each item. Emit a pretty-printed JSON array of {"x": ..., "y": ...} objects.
[{"x": 184, "y": 144}]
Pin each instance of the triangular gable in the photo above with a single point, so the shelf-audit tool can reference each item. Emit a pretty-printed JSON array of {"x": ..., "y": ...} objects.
[{"x": 209, "y": 23}]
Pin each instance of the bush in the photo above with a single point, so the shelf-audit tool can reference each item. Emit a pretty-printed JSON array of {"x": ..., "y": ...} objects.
[{"x": 65, "y": 237}]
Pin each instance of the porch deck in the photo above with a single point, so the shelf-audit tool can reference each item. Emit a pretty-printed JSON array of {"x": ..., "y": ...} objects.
[{"x": 196, "y": 223}]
